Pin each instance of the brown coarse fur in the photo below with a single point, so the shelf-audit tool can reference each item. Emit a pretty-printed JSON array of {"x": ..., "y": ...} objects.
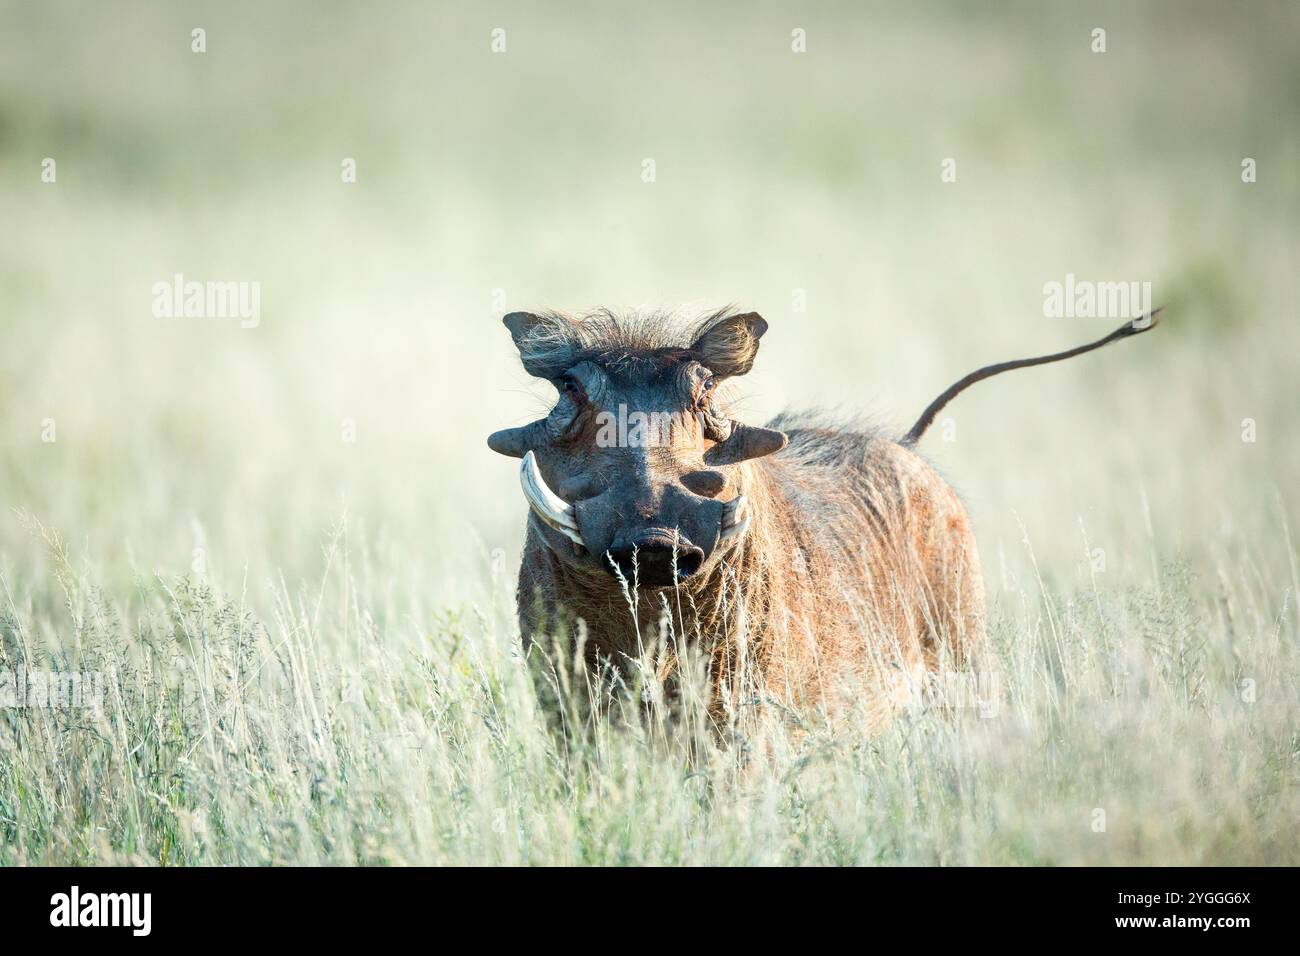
[{"x": 858, "y": 577}]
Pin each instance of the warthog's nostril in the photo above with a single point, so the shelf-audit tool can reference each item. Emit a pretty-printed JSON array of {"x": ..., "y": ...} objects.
[
  {"x": 655, "y": 563},
  {"x": 688, "y": 562}
]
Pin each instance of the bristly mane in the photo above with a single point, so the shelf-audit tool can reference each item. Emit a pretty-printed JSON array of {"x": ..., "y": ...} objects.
[{"x": 614, "y": 340}]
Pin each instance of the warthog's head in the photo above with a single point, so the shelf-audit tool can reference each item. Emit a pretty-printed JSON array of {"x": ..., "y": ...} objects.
[{"x": 633, "y": 471}]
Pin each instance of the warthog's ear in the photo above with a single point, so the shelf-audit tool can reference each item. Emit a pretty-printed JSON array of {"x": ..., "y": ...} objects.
[
  {"x": 543, "y": 343},
  {"x": 519, "y": 324},
  {"x": 727, "y": 346},
  {"x": 746, "y": 442}
]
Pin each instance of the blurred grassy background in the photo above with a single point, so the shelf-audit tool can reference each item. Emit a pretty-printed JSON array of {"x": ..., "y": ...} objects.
[
  {"x": 521, "y": 172},
  {"x": 337, "y": 682}
]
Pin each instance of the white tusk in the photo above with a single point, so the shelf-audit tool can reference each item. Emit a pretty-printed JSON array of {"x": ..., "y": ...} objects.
[
  {"x": 547, "y": 505},
  {"x": 735, "y": 518},
  {"x": 735, "y": 531},
  {"x": 733, "y": 511}
]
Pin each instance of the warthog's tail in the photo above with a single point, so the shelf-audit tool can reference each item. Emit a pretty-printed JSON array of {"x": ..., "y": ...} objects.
[{"x": 1133, "y": 327}]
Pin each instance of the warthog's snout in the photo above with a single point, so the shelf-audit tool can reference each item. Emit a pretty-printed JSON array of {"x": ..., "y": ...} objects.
[{"x": 654, "y": 559}]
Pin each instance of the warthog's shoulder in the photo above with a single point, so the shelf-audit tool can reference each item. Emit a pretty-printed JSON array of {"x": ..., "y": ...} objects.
[
  {"x": 822, "y": 438},
  {"x": 853, "y": 454}
]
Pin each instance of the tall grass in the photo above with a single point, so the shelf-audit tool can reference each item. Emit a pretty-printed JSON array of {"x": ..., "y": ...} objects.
[{"x": 1151, "y": 724}]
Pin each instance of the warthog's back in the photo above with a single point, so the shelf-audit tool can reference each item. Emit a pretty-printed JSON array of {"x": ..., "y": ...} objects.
[{"x": 874, "y": 567}]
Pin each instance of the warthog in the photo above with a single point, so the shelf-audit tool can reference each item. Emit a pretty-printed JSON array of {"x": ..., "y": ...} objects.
[{"x": 799, "y": 558}]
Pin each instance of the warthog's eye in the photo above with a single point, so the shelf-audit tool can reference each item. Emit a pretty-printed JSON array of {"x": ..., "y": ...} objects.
[
  {"x": 704, "y": 387},
  {"x": 573, "y": 388}
]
